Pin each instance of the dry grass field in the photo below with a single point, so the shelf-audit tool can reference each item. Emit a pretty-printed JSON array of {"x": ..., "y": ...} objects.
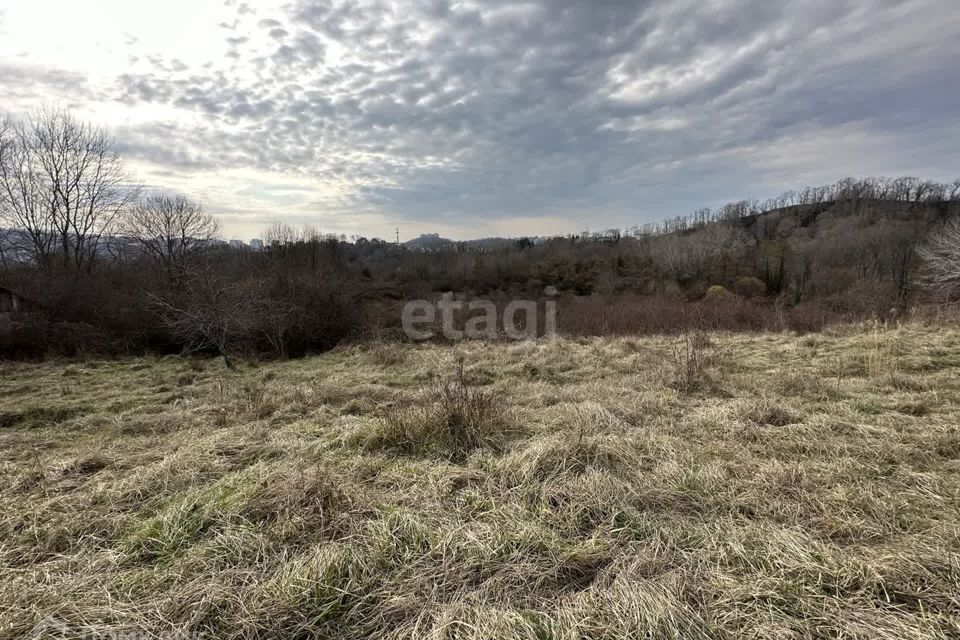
[{"x": 733, "y": 486}]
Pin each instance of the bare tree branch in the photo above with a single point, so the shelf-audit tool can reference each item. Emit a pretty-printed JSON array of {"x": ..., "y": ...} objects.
[{"x": 942, "y": 256}]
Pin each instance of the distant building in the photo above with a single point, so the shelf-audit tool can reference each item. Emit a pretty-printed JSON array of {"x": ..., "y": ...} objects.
[
  {"x": 14, "y": 308},
  {"x": 256, "y": 244},
  {"x": 237, "y": 244},
  {"x": 13, "y": 302}
]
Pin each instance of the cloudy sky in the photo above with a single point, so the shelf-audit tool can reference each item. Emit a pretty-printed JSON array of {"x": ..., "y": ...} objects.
[{"x": 494, "y": 117}]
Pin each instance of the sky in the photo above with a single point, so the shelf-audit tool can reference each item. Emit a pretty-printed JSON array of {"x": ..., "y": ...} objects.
[{"x": 493, "y": 117}]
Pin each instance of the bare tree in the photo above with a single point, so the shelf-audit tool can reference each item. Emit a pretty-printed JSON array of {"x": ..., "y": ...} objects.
[
  {"x": 26, "y": 205},
  {"x": 279, "y": 234},
  {"x": 88, "y": 185},
  {"x": 63, "y": 186},
  {"x": 941, "y": 253},
  {"x": 170, "y": 228}
]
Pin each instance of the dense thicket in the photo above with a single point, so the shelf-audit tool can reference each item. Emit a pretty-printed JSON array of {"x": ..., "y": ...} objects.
[{"x": 798, "y": 266}]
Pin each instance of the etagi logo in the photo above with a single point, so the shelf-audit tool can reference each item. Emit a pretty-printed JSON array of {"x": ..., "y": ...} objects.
[
  {"x": 49, "y": 628},
  {"x": 53, "y": 628},
  {"x": 480, "y": 319}
]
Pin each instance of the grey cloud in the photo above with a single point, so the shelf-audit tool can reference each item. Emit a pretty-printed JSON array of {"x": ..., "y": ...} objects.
[
  {"x": 17, "y": 81},
  {"x": 141, "y": 143},
  {"x": 500, "y": 108}
]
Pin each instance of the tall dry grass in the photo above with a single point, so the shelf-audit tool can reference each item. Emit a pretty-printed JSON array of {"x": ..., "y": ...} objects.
[{"x": 564, "y": 489}]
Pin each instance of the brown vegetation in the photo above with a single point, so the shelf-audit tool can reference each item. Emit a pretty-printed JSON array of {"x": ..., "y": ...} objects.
[{"x": 555, "y": 489}]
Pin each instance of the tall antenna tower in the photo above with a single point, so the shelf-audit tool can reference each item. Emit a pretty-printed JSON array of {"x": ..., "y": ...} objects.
[{"x": 398, "y": 236}]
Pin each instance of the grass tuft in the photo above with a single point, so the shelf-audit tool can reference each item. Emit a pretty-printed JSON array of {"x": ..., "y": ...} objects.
[
  {"x": 767, "y": 412},
  {"x": 452, "y": 419}
]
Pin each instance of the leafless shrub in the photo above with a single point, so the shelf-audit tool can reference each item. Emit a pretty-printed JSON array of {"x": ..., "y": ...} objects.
[
  {"x": 210, "y": 314},
  {"x": 689, "y": 358},
  {"x": 941, "y": 254}
]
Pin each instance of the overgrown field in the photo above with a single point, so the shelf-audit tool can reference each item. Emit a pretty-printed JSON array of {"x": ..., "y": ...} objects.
[{"x": 729, "y": 486}]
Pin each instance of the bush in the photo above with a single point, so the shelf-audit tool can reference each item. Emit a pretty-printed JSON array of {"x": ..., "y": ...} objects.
[
  {"x": 23, "y": 340},
  {"x": 716, "y": 292},
  {"x": 74, "y": 339},
  {"x": 749, "y": 287}
]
